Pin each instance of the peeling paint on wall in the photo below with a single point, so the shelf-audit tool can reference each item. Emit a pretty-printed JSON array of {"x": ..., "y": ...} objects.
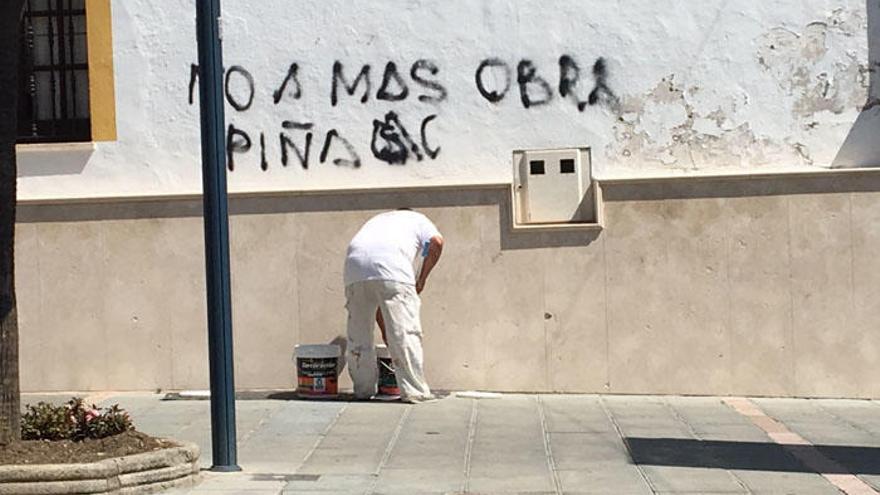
[
  {"x": 663, "y": 126},
  {"x": 811, "y": 66},
  {"x": 820, "y": 71}
]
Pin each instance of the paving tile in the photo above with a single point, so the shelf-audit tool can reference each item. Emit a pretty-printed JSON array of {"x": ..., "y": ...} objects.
[
  {"x": 357, "y": 441},
  {"x": 767, "y": 482},
  {"x": 332, "y": 483},
  {"x": 873, "y": 480},
  {"x": 582, "y": 450},
  {"x": 250, "y": 416},
  {"x": 582, "y": 414},
  {"x": 427, "y": 480},
  {"x": 243, "y": 482},
  {"x": 285, "y": 437},
  {"x": 619, "y": 479},
  {"x": 411, "y": 457},
  {"x": 646, "y": 420},
  {"x": 516, "y": 479},
  {"x": 647, "y": 417},
  {"x": 677, "y": 479},
  {"x": 861, "y": 416},
  {"x": 710, "y": 419},
  {"x": 279, "y": 456},
  {"x": 508, "y": 450}
]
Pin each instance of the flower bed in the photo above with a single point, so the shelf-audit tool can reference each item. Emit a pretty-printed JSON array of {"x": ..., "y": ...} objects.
[
  {"x": 74, "y": 448},
  {"x": 149, "y": 472},
  {"x": 88, "y": 450}
]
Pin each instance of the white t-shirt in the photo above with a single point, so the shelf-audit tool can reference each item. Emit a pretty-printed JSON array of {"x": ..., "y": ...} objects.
[{"x": 387, "y": 246}]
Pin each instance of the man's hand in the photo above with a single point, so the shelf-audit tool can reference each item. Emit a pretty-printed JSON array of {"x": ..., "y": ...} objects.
[{"x": 420, "y": 285}]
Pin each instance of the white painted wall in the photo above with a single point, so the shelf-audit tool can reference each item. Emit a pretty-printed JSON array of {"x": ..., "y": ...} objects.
[{"x": 722, "y": 84}]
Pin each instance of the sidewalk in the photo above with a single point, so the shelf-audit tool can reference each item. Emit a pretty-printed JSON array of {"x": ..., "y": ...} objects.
[{"x": 535, "y": 444}]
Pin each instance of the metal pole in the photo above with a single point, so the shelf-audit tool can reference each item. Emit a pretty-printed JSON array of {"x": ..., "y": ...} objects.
[{"x": 216, "y": 237}]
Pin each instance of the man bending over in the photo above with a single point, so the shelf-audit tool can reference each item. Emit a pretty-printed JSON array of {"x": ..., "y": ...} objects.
[{"x": 380, "y": 282}]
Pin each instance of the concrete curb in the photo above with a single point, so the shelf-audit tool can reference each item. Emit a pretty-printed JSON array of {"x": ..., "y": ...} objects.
[{"x": 149, "y": 472}]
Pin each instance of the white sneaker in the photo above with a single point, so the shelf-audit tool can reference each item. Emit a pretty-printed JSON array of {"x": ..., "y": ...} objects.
[{"x": 386, "y": 397}]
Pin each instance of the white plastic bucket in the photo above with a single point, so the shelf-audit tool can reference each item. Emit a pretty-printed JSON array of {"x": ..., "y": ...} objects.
[
  {"x": 387, "y": 379},
  {"x": 316, "y": 373}
]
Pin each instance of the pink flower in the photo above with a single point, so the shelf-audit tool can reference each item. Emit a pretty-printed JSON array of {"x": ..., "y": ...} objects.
[{"x": 92, "y": 414}]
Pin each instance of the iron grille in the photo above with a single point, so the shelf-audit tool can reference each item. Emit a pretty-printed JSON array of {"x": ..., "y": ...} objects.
[{"x": 53, "y": 75}]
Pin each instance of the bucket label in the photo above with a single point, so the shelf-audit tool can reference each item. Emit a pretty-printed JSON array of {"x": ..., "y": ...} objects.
[{"x": 316, "y": 376}]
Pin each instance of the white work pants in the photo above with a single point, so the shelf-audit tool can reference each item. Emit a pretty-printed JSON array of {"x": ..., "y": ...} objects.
[{"x": 400, "y": 310}]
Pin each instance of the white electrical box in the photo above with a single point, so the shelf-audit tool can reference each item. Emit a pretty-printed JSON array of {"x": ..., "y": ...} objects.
[{"x": 553, "y": 187}]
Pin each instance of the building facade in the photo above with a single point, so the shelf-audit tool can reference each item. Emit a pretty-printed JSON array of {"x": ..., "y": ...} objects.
[{"x": 731, "y": 160}]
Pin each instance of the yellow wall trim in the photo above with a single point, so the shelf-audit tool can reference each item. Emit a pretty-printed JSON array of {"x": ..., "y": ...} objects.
[{"x": 102, "y": 99}]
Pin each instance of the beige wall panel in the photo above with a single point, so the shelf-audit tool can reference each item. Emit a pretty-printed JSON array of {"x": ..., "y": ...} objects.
[
  {"x": 452, "y": 313},
  {"x": 636, "y": 257},
  {"x": 698, "y": 282},
  {"x": 574, "y": 293},
  {"x": 322, "y": 242},
  {"x": 27, "y": 293},
  {"x": 509, "y": 315},
  {"x": 499, "y": 299},
  {"x": 265, "y": 299},
  {"x": 827, "y": 361},
  {"x": 667, "y": 290},
  {"x": 137, "y": 291},
  {"x": 866, "y": 286},
  {"x": 186, "y": 305},
  {"x": 762, "y": 362},
  {"x": 71, "y": 342}
]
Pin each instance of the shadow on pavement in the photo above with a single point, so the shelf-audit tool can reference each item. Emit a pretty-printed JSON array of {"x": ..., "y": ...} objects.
[
  {"x": 752, "y": 456},
  {"x": 263, "y": 395},
  {"x": 288, "y": 395}
]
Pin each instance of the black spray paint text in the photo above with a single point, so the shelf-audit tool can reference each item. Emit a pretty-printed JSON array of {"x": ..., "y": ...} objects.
[{"x": 393, "y": 139}]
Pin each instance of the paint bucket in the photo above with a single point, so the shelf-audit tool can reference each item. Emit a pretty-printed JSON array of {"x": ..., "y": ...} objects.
[
  {"x": 387, "y": 379},
  {"x": 316, "y": 373}
]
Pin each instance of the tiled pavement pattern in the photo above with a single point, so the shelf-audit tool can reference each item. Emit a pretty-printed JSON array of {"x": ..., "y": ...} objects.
[{"x": 524, "y": 444}]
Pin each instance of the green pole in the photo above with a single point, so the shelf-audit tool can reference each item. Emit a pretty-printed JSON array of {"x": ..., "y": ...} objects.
[{"x": 223, "y": 445}]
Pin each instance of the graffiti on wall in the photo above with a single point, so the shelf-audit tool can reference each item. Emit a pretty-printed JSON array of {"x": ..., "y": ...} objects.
[{"x": 394, "y": 139}]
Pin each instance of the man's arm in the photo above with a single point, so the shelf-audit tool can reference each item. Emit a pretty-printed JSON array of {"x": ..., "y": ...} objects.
[{"x": 435, "y": 249}]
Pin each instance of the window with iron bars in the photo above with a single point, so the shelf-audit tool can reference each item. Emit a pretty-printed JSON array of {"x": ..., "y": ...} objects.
[{"x": 53, "y": 73}]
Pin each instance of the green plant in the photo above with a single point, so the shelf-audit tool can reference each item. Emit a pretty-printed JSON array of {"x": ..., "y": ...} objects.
[
  {"x": 109, "y": 422},
  {"x": 46, "y": 422},
  {"x": 73, "y": 421}
]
